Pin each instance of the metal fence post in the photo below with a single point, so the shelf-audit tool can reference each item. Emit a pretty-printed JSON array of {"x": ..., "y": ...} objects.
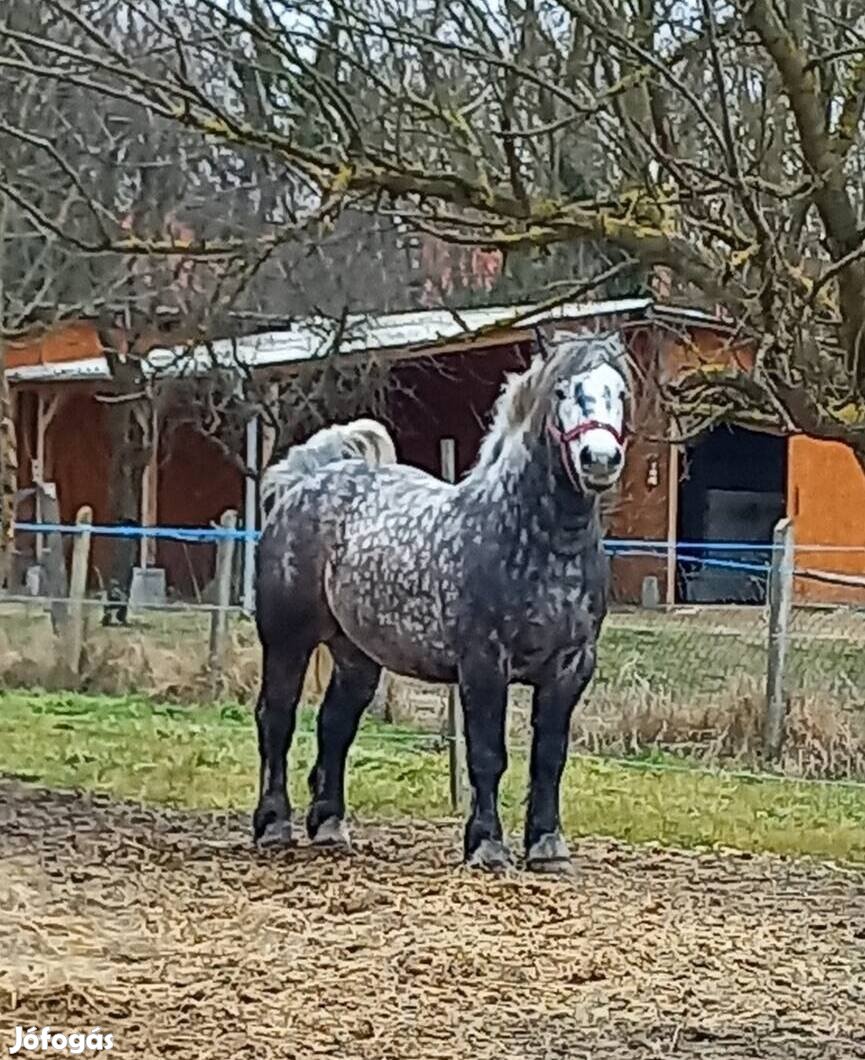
[
  {"x": 219, "y": 615},
  {"x": 780, "y": 600},
  {"x": 74, "y": 627},
  {"x": 456, "y": 735}
]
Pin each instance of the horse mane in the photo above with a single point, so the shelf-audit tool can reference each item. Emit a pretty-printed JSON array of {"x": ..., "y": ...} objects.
[
  {"x": 525, "y": 399},
  {"x": 363, "y": 439}
]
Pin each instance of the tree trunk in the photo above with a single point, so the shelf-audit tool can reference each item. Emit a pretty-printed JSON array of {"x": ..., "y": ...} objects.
[
  {"x": 129, "y": 450},
  {"x": 8, "y": 440},
  {"x": 8, "y": 471},
  {"x": 129, "y": 455}
]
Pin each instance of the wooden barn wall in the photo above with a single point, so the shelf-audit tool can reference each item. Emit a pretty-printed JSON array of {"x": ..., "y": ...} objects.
[
  {"x": 451, "y": 397},
  {"x": 76, "y": 447},
  {"x": 68, "y": 342},
  {"x": 26, "y": 410},
  {"x": 196, "y": 483},
  {"x": 79, "y": 340},
  {"x": 826, "y": 500},
  {"x": 698, "y": 348},
  {"x": 639, "y": 508}
]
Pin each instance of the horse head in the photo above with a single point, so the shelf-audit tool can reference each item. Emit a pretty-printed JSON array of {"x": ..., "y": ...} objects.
[{"x": 587, "y": 399}]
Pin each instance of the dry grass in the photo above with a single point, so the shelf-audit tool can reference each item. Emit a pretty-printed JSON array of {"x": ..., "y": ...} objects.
[{"x": 665, "y": 682}]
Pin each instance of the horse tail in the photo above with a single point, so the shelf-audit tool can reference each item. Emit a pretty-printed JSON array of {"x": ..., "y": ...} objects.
[{"x": 363, "y": 439}]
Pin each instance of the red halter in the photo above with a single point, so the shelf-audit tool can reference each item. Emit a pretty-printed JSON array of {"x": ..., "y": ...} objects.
[{"x": 562, "y": 438}]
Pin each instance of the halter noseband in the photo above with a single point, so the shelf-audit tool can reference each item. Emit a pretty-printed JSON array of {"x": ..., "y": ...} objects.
[{"x": 563, "y": 438}]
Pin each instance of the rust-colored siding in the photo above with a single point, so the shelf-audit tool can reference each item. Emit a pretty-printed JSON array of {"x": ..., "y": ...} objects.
[
  {"x": 826, "y": 500},
  {"x": 68, "y": 342},
  {"x": 640, "y": 507},
  {"x": 703, "y": 348},
  {"x": 452, "y": 397},
  {"x": 79, "y": 340},
  {"x": 196, "y": 484},
  {"x": 449, "y": 397},
  {"x": 76, "y": 446}
]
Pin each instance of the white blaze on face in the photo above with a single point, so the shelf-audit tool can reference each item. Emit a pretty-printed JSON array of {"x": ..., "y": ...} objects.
[{"x": 594, "y": 397}]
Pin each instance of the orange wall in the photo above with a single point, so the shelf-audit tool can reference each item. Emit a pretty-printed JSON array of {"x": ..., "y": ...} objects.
[
  {"x": 80, "y": 340},
  {"x": 71, "y": 342},
  {"x": 639, "y": 508},
  {"x": 196, "y": 484},
  {"x": 826, "y": 487},
  {"x": 826, "y": 500},
  {"x": 704, "y": 348},
  {"x": 76, "y": 446}
]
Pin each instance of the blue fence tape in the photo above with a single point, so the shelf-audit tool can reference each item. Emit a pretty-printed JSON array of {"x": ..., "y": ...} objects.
[
  {"x": 692, "y": 553},
  {"x": 218, "y": 533},
  {"x": 175, "y": 533},
  {"x": 691, "y": 546},
  {"x": 616, "y": 546},
  {"x": 697, "y": 561}
]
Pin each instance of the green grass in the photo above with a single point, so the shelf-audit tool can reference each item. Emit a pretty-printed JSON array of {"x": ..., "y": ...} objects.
[{"x": 205, "y": 757}]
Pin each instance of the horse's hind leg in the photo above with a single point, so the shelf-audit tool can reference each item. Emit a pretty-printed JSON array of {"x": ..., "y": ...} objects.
[
  {"x": 282, "y": 680},
  {"x": 350, "y": 691}
]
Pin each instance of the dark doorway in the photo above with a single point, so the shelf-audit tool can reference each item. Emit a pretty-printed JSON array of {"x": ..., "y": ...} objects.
[{"x": 732, "y": 490}]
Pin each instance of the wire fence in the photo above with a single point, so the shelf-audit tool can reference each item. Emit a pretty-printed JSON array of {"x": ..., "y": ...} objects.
[{"x": 689, "y": 677}]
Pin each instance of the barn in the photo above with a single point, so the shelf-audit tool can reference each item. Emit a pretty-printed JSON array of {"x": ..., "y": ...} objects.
[{"x": 730, "y": 483}]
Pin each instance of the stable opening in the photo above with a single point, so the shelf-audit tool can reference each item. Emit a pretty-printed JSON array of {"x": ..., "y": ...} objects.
[{"x": 732, "y": 490}]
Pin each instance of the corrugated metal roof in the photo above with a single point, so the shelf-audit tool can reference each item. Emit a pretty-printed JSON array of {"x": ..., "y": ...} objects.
[
  {"x": 88, "y": 368},
  {"x": 312, "y": 338}
]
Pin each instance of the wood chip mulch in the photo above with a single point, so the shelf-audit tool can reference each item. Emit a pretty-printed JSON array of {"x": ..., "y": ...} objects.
[{"x": 168, "y": 930}]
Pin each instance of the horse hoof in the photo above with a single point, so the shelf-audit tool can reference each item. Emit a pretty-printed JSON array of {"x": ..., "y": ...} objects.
[
  {"x": 274, "y": 835},
  {"x": 333, "y": 833},
  {"x": 490, "y": 855},
  {"x": 550, "y": 854}
]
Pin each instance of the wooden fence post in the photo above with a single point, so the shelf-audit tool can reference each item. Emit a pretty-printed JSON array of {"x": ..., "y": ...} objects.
[
  {"x": 780, "y": 599},
  {"x": 53, "y": 562},
  {"x": 74, "y": 625},
  {"x": 456, "y": 734},
  {"x": 219, "y": 616}
]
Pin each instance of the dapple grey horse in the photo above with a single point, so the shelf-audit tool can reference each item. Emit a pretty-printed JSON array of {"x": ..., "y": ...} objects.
[{"x": 497, "y": 579}]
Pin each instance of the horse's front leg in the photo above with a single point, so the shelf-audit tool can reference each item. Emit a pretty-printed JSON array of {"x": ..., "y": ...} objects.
[
  {"x": 484, "y": 694},
  {"x": 552, "y": 706}
]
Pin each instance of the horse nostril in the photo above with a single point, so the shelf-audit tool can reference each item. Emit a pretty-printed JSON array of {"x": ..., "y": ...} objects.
[{"x": 590, "y": 461}]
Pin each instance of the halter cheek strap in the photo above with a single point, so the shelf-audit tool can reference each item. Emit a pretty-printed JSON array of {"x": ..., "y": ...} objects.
[{"x": 563, "y": 438}]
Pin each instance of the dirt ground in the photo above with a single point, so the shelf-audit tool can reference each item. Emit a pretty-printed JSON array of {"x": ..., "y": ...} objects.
[{"x": 168, "y": 931}]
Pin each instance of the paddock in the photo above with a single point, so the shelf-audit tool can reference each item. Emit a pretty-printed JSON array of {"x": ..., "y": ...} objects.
[{"x": 166, "y": 929}]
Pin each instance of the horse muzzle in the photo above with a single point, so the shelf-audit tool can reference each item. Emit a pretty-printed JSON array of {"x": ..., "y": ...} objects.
[
  {"x": 593, "y": 454},
  {"x": 599, "y": 468}
]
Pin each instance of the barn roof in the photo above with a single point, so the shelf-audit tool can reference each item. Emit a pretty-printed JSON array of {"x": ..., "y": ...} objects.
[{"x": 413, "y": 333}]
